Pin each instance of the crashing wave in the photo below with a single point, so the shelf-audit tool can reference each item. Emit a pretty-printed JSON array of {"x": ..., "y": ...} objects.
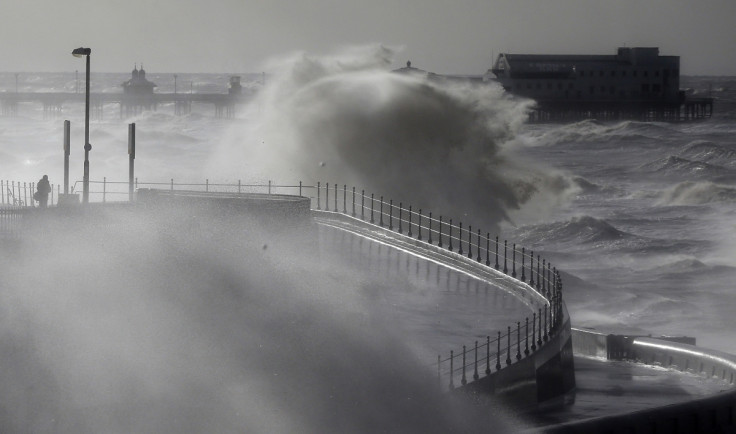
[
  {"x": 697, "y": 193},
  {"x": 709, "y": 152}
]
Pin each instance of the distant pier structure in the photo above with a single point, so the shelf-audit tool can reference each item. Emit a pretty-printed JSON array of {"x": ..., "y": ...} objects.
[
  {"x": 635, "y": 83},
  {"x": 137, "y": 95}
]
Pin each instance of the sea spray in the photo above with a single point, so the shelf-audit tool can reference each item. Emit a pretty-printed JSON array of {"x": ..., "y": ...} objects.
[{"x": 438, "y": 143}]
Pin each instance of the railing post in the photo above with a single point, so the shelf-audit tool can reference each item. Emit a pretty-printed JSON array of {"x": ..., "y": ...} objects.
[
  {"x": 549, "y": 279},
  {"x": 372, "y": 221},
  {"x": 318, "y": 200},
  {"x": 449, "y": 236},
  {"x": 477, "y": 246},
  {"x": 391, "y": 214},
  {"x": 452, "y": 360},
  {"x": 508, "y": 347},
  {"x": 172, "y": 184},
  {"x": 488, "y": 249},
  {"x": 539, "y": 326},
  {"x": 513, "y": 261},
  {"x": 463, "y": 380},
  {"x": 401, "y": 228},
  {"x": 335, "y": 196},
  {"x": 344, "y": 198},
  {"x": 523, "y": 276},
  {"x": 327, "y": 196},
  {"x": 488, "y": 355},
  {"x": 136, "y": 183},
  {"x": 460, "y": 239},
  {"x": 470, "y": 242},
  {"x": 207, "y": 186},
  {"x": 526, "y": 339},
  {"x": 381, "y": 213},
  {"x": 534, "y": 336},
  {"x": 518, "y": 340},
  {"x": 475, "y": 372},
  {"x": 505, "y": 254},
  {"x": 496, "y": 252},
  {"x": 439, "y": 232},
  {"x": 353, "y": 201},
  {"x": 531, "y": 269},
  {"x": 362, "y": 205},
  {"x": 409, "y": 233},
  {"x": 498, "y": 352},
  {"x": 419, "y": 226}
]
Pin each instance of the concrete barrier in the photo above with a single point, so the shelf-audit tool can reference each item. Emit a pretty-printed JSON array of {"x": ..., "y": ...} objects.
[{"x": 712, "y": 414}]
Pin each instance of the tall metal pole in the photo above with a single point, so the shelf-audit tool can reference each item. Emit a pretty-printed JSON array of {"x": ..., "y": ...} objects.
[
  {"x": 87, "y": 146},
  {"x": 67, "y": 148},
  {"x": 131, "y": 160}
]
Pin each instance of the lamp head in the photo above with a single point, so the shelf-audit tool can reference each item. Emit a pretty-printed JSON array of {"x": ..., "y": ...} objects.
[{"x": 79, "y": 52}]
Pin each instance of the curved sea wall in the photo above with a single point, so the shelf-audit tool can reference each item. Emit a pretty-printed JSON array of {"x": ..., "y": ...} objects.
[
  {"x": 533, "y": 362},
  {"x": 712, "y": 414}
]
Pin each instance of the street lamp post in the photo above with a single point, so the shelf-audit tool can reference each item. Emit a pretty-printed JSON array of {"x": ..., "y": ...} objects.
[{"x": 79, "y": 52}]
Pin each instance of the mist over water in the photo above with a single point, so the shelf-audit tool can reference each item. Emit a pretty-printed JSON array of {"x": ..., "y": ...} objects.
[
  {"x": 190, "y": 321},
  {"x": 168, "y": 324}
]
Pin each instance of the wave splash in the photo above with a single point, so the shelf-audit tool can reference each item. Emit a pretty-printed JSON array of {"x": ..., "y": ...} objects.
[{"x": 348, "y": 118}]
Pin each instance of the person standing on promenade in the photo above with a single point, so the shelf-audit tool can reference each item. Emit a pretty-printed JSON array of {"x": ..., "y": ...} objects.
[{"x": 43, "y": 189}]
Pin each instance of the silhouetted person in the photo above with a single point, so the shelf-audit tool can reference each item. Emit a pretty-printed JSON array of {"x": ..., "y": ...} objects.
[{"x": 43, "y": 189}]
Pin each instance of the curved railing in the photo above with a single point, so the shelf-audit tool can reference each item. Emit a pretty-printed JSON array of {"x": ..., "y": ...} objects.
[
  {"x": 488, "y": 254},
  {"x": 507, "y": 346}
]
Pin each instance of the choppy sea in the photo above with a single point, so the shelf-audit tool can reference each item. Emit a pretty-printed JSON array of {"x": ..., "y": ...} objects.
[{"x": 644, "y": 232}]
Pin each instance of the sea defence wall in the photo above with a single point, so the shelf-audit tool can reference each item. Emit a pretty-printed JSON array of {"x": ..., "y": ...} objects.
[
  {"x": 712, "y": 414},
  {"x": 527, "y": 368},
  {"x": 529, "y": 364}
]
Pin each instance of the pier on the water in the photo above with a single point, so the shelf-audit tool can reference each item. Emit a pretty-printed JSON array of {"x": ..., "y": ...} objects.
[
  {"x": 54, "y": 103},
  {"x": 690, "y": 109}
]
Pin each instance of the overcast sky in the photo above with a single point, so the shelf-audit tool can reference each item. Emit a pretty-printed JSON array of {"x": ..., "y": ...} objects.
[{"x": 442, "y": 36}]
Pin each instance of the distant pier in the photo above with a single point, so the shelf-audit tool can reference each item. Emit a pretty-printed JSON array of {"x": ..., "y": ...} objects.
[{"x": 54, "y": 102}]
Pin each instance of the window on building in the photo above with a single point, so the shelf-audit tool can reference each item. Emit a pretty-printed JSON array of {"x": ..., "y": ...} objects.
[
  {"x": 559, "y": 86},
  {"x": 646, "y": 73},
  {"x": 601, "y": 74},
  {"x": 656, "y": 73},
  {"x": 645, "y": 88},
  {"x": 613, "y": 73},
  {"x": 634, "y": 73},
  {"x": 592, "y": 90},
  {"x": 656, "y": 88},
  {"x": 623, "y": 73}
]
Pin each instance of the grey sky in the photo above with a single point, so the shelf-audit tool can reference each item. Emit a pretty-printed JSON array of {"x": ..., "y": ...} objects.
[{"x": 445, "y": 36}]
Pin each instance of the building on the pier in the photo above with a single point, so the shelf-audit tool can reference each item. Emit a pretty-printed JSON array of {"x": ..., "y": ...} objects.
[
  {"x": 636, "y": 82},
  {"x": 138, "y": 83},
  {"x": 137, "y": 93}
]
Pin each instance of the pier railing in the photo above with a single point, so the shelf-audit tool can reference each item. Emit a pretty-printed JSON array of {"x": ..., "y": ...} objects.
[{"x": 498, "y": 350}]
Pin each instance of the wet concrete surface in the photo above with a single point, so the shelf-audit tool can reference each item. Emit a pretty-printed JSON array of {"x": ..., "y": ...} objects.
[{"x": 606, "y": 387}]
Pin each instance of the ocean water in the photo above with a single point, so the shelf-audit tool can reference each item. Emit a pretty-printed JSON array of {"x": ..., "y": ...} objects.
[{"x": 638, "y": 217}]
